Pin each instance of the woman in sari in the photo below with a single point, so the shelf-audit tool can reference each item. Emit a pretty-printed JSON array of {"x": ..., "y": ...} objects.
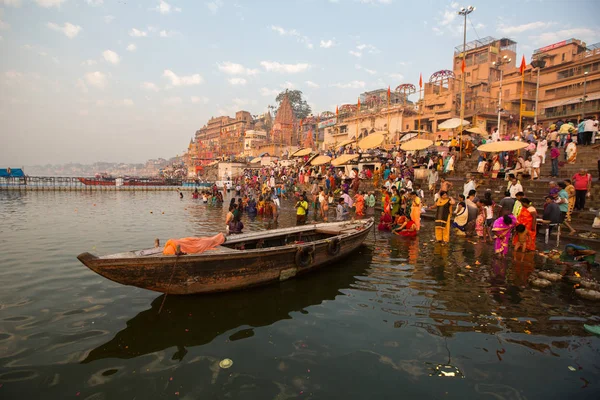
[
  {"x": 502, "y": 229},
  {"x": 359, "y": 204},
  {"x": 571, "y": 151},
  {"x": 480, "y": 220},
  {"x": 395, "y": 200},
  {"x": 415, "y": 210},
  {"x": 376, "y": 178},
  {"x": 495, "y": 166},
  {"x": 460, "y": 219},
  {"x": 408, "y": 229},
  {"x": 527, "y": 217},
  {"x": 442, "y": 217}
]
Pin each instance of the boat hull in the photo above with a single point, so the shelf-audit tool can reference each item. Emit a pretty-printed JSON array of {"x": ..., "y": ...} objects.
[{"x": 206, "y": 273}]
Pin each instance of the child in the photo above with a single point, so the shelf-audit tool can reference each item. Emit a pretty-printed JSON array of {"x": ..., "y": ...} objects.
[{"x": 523, "y": 237}]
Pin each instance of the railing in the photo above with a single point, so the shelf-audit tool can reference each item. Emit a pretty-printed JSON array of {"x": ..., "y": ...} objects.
[
  {"x": 59, "y": 183},
  {"x": 572, "y": 90},
  {"x": 576, "y": 111}
]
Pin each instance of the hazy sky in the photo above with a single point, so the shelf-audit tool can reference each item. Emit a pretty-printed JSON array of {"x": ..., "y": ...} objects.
[{"x": 104, "y": 80}]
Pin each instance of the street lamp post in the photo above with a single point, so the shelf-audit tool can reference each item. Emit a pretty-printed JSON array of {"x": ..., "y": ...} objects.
[
  {"x": 502, "y": 61},
  {"x": 464, "y": 12},
  {"x": 539, "y": 64},
  {"x": 584, "y": 94}
]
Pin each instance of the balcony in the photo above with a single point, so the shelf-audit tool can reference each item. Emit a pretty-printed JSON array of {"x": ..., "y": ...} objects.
[{"x": 576, "y": 111}]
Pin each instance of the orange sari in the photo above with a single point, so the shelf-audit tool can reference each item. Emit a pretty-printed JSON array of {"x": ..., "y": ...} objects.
[{"x": 526, "y": 219}]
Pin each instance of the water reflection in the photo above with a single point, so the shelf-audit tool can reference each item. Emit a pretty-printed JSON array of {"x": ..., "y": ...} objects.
[{"x": 188, "y": 321}]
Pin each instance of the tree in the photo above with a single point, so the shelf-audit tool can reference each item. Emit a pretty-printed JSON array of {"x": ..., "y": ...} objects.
[{"x": 299, "y": 105}]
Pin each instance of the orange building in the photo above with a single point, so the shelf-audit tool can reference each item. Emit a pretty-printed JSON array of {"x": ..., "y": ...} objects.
[{"x": 569, "y": 86}]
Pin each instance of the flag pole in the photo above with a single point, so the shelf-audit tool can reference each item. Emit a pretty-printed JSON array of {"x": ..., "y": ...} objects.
[{"x": 521, "y": 105}]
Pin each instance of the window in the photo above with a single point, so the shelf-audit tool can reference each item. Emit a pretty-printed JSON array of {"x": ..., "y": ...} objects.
[
  {"x": 563, "y": 57},
  {"x": 343, "y": 128}
]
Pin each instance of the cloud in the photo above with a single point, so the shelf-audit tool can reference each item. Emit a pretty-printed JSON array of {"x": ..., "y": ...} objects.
[
  {"x": 350, "y": 85},
  {"x": 109, "y": 18},
  {"x": 326, "y": 44},
  {"x": 68, "y": 29},
  {"x": 397, "y": 77},
  {"x": 167, "y": 34},
  {"x": 176, "y": 80},
  {"x": 368, "y": 47},
  {"x": 111, "y": 57},
  {"x": 312, "y": 84},
  {"x": 95, "y": 3},
  {"x": 236, "y": 69},
  {"x": 515, "y": 29},
  {"x": 137, "y": 33},
  {"x": 131, "y": 47},
  {"x": 163, "y": 7},
  {"x": 213, "y": 6},
  {"x": 274, "y": 66},
  {"x": 368, "y": 71},
  {"x": 268, "y": 92},
  {"x": 80, "y": 84},
  {"x": 89, "y": 62},
  {"x": 585, "y": 34},
  {"x": 287, "y": 85},
  {"x": 150, "y": 86},
  {"x": 172, "y": 101},
  {"x": 49, "y": 3},
  {"x": 197, "y": 99},
  {"x": 355, "y": 53},
  {"x": 237, "y": 81},
  {"x": 96, "y": 79},
  {"x": 294, "y": 33}
]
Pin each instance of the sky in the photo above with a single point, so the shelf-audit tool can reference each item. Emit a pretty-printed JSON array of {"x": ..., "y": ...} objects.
[{"x": 127, "y": 81}]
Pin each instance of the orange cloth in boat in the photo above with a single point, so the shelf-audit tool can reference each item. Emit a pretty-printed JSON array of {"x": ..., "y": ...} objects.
[{"x": 193, "y": 245}]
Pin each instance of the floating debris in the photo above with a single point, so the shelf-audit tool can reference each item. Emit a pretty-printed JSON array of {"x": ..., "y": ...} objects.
[
  {"x": 572, "y": 368},
  {"x": 225, "y": 363}
]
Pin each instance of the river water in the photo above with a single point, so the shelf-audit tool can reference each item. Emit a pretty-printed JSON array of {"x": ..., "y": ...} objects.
[{"x": 400, "y": 318}]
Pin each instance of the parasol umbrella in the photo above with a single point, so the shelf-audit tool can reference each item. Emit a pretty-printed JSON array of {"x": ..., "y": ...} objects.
[
  {"x": 255, "y": 160},
  {"x": 503, "y": 145},
  {"x": 416, "y": 144},
  {"x": 371, "y": 141},
  {"x": 346, "y": 142},
  {"x": 343, "y": 159},
  {"x": 320, "y": 160},
  {"x": 408, "y": 136},
  {"x": 453, "y": 123},
  {"x": 302, "y": 152},
  {"x": 477, "y": 130}
]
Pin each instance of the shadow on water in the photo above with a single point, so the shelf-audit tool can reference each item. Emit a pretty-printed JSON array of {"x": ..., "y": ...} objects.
[{"x": 188, "y": 321}]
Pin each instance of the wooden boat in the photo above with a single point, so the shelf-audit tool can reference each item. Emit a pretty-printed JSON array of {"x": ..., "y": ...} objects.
[
  {"x": 130, "y": 182},
  {"x": 242, "y": 261}
]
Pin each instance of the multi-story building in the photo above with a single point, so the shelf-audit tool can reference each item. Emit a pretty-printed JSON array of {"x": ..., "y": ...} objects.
[
  {"x": 253, "y": 140},
  {"x": 569, "y": 81},
  {"x": 569, "y": 86}
]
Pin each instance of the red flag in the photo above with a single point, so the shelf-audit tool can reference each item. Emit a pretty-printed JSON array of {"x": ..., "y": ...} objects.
[
  {"x": 463, "y": 66},
  {"x": 359, "y": 104},
  {"x": 389, "y": 93},
  {"x": 337, "y": 112},
  {"x": 420, "y": 80},
  {"x": 523, "y": 66}
]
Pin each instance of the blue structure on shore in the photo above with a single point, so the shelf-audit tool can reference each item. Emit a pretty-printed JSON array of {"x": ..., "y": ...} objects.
[{"x": 12, "y": 173}]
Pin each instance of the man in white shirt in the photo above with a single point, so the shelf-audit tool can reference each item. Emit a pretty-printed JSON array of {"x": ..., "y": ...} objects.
[
  {"x": 495, "y": 136},
  {"x": 514, "y": 187},
  {"x": 470, "y": 185}
]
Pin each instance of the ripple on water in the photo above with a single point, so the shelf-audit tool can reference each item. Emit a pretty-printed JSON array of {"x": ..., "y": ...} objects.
[{"x": 18, "y": 376}]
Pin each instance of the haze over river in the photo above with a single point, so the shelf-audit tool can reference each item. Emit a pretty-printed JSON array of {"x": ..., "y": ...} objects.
[{"x": 400, "y": 318}]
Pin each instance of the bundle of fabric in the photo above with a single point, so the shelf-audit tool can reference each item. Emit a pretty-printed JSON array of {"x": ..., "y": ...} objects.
[{"x": 193, "y": 245}]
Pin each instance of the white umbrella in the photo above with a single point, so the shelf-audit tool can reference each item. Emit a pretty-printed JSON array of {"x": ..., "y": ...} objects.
[{"x": 453, "y": 123}]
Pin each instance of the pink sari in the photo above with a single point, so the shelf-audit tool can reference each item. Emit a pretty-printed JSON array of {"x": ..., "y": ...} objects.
[{"x": 502, "y": 232}]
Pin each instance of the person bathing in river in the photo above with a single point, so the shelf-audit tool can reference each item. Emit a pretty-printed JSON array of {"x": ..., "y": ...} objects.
[
  {"x": 577, "y": 255},
  {"x": 502, "y": 229}
]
